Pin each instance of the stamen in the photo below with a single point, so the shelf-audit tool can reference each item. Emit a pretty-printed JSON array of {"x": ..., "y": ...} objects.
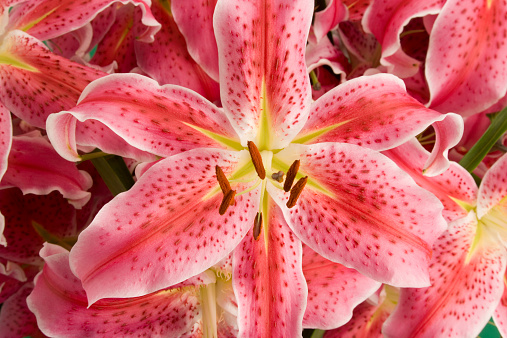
[
  {"x": 256, "y": 159},
  {"x": 222, "y": 180},
  {"x": 296, "y": 191},
  {"x": 278, "y": 176},
  {"x": 257, "y": 225},
  {"x": 291, "y": 175},
  {"x": 227, "y": 201}
]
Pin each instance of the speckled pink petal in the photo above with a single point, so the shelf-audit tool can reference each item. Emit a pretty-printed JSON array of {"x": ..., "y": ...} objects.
[
  {"x": 52, "y": 212},
  {"x": 39, "y": 83},
  {"x": 72, "y": 44},
  {"x": 5, "y": 148},
  {"x": 465, "y": 287},
  {"x": 167, "y": 59},
  {"x": 118, "y": 44},
  {"x": 367, "y": 213},
  {"x": 47, "y": 19},
  {"x": 16, "y": 320},
  {"x": 326, "y": 54},
  {"x": 455, "y": 184},
  {"x": 376, "y": 112},
  {"x": 268, "y": 280},
  {"x": 333, "y": 291},
  {"x": 165, "y": 229},
  {"x": 363, "y": 48},
  {"x": 262, "y": 67},
  {"x": 500, "y": 314},
  {"x": 493, "y": 189},
  {"x": 162, "y": 120},
  {"x": 356, "y": 8},
  {"x": 36, "y": 168},
  {"x": 366, "y": 322},
  {"x": 465, "y": 64},
  {"x": 385, "y": 19},
  {"x": 195, "y": 21},
  {"x": 59, "y": 303},
  {"x": 327, "y": 19}
]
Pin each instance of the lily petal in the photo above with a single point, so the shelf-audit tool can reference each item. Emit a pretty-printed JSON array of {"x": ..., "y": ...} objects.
[
  {"x": 264, "y": 83},
  {"x": 333, "y": 291},
  {"x": 360, "y": 210},
  {"x": 36, "y": 168},
  {"x": 376, "y": 112},
  {"x": 51, "y": 212},
  {"x": 36, "y": 82},
  {"x": 493, "y": 190},
  {"x": 48, "y": 19},
  {"x": 167, "y": 59},
  {"x": 167, "y": 312},
  {"x": 386, "y": 20},
  {"x": 200, "y": 39},
  {"x": 162, "y": 120},
  {"x": 329, "y": 18},
  {"x": 466, "y": 284},
  {"x": 16, "y": 320},
  {"x": 464, "y": 66},
  {"x": 455, "y": 188},
  {"x": 165, "y": 229},
  {"x": 500, "y": 315},
  {"x": 271, "y": 267}
]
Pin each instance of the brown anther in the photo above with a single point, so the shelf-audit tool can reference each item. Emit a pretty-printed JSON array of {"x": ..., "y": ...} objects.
[
  {"x": 227, "y": 201},
  {"x": 296, "y": 191},
  {"x": 257, "y": 225},
  {"x": 291, "y": 175},
  {"x": 256, "y": 159},
  {"x": 278, "y": 176},
  {"x": 222, "y": 180}
]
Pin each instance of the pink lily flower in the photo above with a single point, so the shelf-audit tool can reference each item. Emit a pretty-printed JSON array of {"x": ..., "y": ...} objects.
[
  {"x": 469, "y": 262},
  {"x": 465, "y": 72},
  {"x": 180, "y": 218},
  {"x": 188, "y": 309}
]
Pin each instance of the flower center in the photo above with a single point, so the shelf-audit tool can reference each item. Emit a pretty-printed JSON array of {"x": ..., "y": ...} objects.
[{"x": 294, "y": 190}]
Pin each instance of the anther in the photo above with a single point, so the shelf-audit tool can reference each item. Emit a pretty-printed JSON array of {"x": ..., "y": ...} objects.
[
  {"x": 227, "y": 201},
  {"x": 257, "y": 225},
  {"x": 222, "y": 180},
  {"x": 278, "y": 176},
  {"x": 256, "y": 159},
  {"x": 296, "y": 191},
  {"x": 291, "y": 175}
]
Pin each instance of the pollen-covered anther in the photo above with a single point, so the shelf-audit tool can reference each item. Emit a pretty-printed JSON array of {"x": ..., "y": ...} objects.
[
  {"x": 227, "y": 201},
  {"x": 222, "y": 180},
  {"x": 257, "y": 225},
  {"x": 256, "y": 160},
  {"x": 291, "y": 175},
  {"x": 296, "y": 190},
  {"x": 278, "y": 176}
]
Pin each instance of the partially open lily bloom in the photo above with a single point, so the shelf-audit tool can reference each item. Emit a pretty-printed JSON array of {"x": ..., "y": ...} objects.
[{"x": 224, "y": 182}]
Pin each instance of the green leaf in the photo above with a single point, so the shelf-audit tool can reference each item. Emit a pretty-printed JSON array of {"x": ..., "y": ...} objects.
[
  {"x": 475, "y": 155},
  {"x": 114, "y": 172}
]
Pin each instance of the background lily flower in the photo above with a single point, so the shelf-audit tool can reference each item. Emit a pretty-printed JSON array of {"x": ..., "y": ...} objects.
[
  {"x": 187, "y": 308},
  {"x": 468, "y": 267}
]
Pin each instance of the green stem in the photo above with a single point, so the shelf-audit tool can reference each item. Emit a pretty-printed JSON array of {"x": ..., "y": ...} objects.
[
  {"x": 475, "y": 155},
  {"x": 114, "y": 172},
  {"x": 315, "y": 81},
  {"x": 96, "y": 154}
]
